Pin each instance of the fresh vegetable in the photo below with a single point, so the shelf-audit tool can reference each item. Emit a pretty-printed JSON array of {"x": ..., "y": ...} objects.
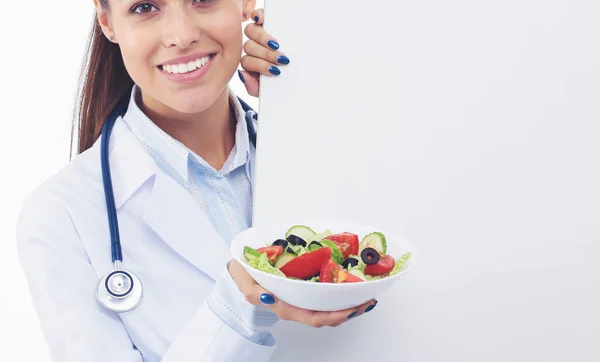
[
  {"x": 375, "y": 240},
  {"x": 336, "y": 253},
  {"x": 400, "y": 263},
  {"x": 284, "y": 259},
  {"x": 296, "y": 240},
  {"x": 357, "y": 272},
  {"x": 384, "y": 265},
  {"x": 347, "y": 242},
  {"x": 326, "y": 257},
  {"x": 331, "y": 272},
  {"x": 306, "y": 265},
  {"x": 281, "y": 242},
  {"x": 251, "y": 254},
  {"x": 370, "y": 256},
  {"x": 273, "y": 252},
  {"x": 301, "y": 231},
  {"x": 262, "y": 263},
  {"x": 349, "y": 263},
  {"x": 314, "y": 246}
]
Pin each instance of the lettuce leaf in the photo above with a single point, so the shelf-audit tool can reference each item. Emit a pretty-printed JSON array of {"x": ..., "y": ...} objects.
[
  {"x": 299, "y": 249},
  {"x": 263, "y": 264},
  {"x": 400, "y": 263}
]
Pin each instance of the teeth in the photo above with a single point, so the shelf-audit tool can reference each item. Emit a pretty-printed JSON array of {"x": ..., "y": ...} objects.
[{"x": 186, "y": 68}]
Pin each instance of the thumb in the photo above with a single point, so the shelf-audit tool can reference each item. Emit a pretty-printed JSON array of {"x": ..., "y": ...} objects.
[{"x": 251, "y": 82}]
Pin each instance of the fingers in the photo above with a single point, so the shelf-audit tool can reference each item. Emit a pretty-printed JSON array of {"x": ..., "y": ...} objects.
[
  {"x": 258, "y": 16},
  {"x": 320, "y": 319},
  {"x": 274, "y": 57}
]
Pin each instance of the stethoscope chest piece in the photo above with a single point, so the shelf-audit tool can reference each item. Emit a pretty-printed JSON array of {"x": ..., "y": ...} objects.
[{"x": 120, "y": 291}]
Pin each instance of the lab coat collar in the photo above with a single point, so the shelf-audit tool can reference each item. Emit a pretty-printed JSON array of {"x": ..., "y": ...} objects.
[
  {"x": 174, "y": 157},
  {"x": 170, "y": 209}
]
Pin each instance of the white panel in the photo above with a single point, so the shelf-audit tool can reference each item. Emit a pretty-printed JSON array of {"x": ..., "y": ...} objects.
[{"x": 472, "y": 128}]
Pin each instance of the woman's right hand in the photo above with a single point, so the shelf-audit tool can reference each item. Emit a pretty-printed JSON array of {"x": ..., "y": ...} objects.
[{"x": 257, "y": 295}]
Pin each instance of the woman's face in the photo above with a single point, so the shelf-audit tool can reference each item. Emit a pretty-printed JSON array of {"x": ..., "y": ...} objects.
[{"x": 153, "y": 34}]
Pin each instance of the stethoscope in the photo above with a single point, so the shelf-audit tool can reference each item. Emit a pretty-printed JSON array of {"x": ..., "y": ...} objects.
[{"x": 120, "y": 290}]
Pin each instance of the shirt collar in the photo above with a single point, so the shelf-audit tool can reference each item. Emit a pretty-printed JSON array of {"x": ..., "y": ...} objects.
[{"x": 172, "y": 156}]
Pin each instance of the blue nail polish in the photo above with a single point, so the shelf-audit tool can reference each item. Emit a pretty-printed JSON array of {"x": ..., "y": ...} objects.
[
  {"x": 241, "y": 77},
  {"x": 370, "y": 308},
  {"x": 267, "y": 299},
  {"x": 282, "y": 59},
  {"x": 256, "y": 18},
  {"x": 352, "y": 315},
  {"x": 273, "y": 44},
  {"x": 274, "y": 70}
]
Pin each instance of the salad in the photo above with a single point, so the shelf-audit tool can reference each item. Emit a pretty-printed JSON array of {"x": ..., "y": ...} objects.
[{"x": 326, "y": 257}]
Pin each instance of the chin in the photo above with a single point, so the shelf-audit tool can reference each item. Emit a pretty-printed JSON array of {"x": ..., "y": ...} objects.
[{"x": 193, "y": 101}]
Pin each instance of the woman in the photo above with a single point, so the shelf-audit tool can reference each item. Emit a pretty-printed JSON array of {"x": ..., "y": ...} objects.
[{"x": 181, "y": 164}]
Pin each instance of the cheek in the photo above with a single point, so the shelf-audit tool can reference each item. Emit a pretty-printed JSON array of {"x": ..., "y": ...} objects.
[
  {"x": 228, "y": 32},
  {"x": 136, "y": 50}
]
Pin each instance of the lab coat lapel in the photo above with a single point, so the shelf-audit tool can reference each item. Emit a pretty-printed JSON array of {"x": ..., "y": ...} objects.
[{"x": 180, "y": 222}]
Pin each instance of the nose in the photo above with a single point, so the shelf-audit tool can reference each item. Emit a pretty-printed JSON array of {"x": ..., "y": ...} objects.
[{"x": 179, "y": 29}]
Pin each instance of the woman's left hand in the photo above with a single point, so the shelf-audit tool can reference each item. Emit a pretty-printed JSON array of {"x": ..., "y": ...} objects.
[{"x": 262, "y": 54}]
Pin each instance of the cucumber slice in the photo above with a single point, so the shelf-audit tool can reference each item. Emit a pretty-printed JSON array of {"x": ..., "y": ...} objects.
[
  {"x": 283, "y": 259},
  {"x": 320, "y": 236},
  {"x": 336, "y": 253},
  {"x": 358, "y": 273},
  {"x": 251, "y": 254},
  {"x": 307, "y": 234},
  {"x": 374, "y": 240}
]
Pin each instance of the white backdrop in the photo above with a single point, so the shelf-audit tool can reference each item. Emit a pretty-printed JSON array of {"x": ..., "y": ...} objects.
[
  {"x": 42, "y": 50},
  {"x": 478, "y": 135},
  {"x": 470, "y": 127}
]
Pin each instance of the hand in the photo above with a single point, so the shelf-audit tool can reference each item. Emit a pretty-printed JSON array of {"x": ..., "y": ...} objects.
[
  {"x": 257, "y": 295},
  {"x": 262, "y": 55}
]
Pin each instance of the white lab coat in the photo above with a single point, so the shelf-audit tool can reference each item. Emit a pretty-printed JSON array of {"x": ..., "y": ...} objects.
[{"x": 64, "y": 246}]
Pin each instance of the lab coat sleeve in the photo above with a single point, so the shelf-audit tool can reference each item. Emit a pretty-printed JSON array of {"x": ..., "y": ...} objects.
[
  {"x": 230, "y": 304},
  {"x": 77, "y": 328}
]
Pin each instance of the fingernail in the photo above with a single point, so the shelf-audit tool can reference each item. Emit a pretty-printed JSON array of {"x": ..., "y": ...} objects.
[
  {"x": 282, "y": 59},
  {"x": 274, "y": 70},
  {"x": 256, "y": 18},
  {"x": 273, "y": 44},
  {"x": 370, "y": 308},
  {"x": 267, "y": 299},
  {"x": 352, "y": 315},
  {"x": 241, "y": 77}
]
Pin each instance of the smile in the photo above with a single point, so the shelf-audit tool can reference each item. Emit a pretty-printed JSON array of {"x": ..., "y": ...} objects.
[{"x": 187, "y": 67}]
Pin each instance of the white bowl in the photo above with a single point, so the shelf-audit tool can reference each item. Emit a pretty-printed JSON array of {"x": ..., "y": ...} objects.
[{"x": 319, "y": 296}]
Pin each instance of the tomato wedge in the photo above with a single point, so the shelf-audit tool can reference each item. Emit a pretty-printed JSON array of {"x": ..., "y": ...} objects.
[
  {"x": 306, "y": 265},
  {"x": 331, "y": 272},
  {"x": 347, "y": 242},
  {"x": 384, "y": 265},
  {"x": 273, "y": 252}
]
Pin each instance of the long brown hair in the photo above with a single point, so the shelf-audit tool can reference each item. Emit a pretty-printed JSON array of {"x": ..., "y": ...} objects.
[{"x": 103, "y": 82}]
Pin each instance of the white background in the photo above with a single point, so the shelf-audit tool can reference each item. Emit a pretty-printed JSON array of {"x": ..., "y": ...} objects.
[
  {"x": 41, "y": 54},
  {"x": 474, "y": 125},
  {"x": 473, "y": 129}
]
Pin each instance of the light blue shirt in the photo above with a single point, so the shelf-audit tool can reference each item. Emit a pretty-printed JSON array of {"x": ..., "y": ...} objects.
[{"x": 224, "y": 195}]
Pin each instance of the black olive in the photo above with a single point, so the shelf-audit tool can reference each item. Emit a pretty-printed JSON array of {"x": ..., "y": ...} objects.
[
  {"x": 349, "y": 263},
  {"x": 281, "y": 242},
  {"x": 291, "y": 251},
  {"x": 315, "y": 243},
  {"x": 294, "y": 240},
  {"x": 370, "y": 256}
]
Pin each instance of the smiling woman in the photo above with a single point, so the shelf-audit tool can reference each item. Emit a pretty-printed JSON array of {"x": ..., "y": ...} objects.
[{"x": 177, "y": 190}]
